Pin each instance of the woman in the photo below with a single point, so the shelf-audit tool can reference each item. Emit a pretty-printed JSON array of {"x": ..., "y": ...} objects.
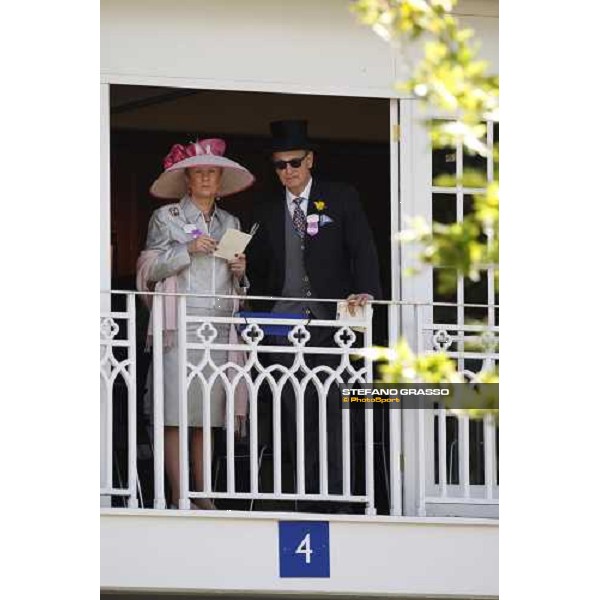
[{"x": 179, "y": 257}]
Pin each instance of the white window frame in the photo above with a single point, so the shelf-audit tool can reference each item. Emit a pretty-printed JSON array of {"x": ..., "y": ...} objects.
[{"x": 417, "y": 196}]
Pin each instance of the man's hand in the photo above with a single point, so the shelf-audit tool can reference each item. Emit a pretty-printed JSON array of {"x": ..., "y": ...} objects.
[
  {"x": 355, "y": 300},
  {"x": 238, "y": 265},
  {"x": 202, "y": 245}
]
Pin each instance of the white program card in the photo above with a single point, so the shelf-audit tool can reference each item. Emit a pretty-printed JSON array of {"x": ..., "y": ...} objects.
[
  {"x": 343, "y": 314},
  {"x": 233, "y": 242}
]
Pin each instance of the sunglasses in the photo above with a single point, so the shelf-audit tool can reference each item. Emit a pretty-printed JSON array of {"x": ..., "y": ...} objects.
[{"x": 281, "y": 165}]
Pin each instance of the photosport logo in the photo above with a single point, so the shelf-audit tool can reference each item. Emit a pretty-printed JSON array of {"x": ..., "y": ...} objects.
[{"x": 458, "y": 396}]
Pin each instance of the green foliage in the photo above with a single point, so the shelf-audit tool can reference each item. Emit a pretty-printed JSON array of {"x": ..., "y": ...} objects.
[
  {"x": 451, "y": 79},
  {"x": 469, "y": 247},
  {"x": 402, "y": 365}
]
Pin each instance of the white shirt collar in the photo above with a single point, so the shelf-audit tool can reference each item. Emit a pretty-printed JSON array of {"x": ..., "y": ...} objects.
[
  {"x": 194, "y": 215},
  {"x": 304, "y": 195}
]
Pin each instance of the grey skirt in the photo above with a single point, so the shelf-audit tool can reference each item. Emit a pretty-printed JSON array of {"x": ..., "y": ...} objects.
[{"x": 212, "y": 360}]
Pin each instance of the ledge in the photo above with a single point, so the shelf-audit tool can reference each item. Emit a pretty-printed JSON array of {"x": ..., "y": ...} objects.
[{"x": 293, "y": 516}]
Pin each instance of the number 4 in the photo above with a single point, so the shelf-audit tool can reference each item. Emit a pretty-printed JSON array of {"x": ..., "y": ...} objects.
[{"x": 304, "y": 548}]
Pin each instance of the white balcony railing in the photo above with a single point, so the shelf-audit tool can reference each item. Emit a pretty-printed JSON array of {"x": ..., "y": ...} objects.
[{"x": 454, "y": 461}]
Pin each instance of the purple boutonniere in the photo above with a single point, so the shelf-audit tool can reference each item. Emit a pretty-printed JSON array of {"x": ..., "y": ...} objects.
[{"x": 312, "y": 225}]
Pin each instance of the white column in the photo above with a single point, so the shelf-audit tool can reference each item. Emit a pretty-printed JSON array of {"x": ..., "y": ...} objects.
[
  {"x": 158, "y": 402},
  {"x": 415, "y": 200},
  {"x": 184, "y": 487},
  {"x": 394, "y": 311},
  {"x": 132, "y": 404},
  {"x": 104, "y": 258},
  {"x": 369, "y": 457}
]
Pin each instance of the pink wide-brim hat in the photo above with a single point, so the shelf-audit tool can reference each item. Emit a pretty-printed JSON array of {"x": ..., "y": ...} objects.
[{"x": 171, "y": 184}]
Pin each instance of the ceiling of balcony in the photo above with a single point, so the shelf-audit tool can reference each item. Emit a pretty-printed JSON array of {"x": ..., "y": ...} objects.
[{"x": 246, "y": 113}]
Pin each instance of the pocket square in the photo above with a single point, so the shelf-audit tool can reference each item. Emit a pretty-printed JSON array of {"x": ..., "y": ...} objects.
[{"x": 325, "y": 219}]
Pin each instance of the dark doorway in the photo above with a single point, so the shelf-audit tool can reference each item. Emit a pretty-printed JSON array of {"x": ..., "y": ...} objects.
[{"x": 353, "y": 138}]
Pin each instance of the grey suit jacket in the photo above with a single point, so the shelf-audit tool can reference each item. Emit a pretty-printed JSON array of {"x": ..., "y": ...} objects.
[{"x": 169, "y": 232}]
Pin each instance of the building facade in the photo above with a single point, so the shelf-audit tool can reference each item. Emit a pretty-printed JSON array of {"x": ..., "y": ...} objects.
[{"x": 428, "y": 481}]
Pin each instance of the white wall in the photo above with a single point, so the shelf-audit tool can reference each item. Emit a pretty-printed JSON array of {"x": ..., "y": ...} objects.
[
  {"x": 305, "y": 46},
  {"x": 228, "y": 551},
  {"x": 239, "y": 44}
]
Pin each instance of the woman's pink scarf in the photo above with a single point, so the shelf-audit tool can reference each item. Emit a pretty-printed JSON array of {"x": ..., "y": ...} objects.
[
  {"x": 169, "y": 320},
  {"x": 167, "y": 286}
]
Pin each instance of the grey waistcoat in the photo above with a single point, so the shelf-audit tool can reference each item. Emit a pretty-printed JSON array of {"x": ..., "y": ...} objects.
[{"x": 296, "y": 284}]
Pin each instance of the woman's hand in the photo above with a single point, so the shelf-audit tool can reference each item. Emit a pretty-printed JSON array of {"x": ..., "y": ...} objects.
[
  {"x": 202, "y": 245},
  {"x": 238, "y": 265}
]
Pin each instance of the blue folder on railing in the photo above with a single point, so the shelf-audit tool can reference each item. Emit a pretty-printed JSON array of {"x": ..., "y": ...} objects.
[{"x": 270, "y": 329}]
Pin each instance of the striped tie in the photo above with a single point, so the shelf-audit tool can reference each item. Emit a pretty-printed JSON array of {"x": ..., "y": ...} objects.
[{"x": 299, "y": 218}]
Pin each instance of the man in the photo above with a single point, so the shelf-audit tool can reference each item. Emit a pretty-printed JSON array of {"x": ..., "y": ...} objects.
[{"x": 313, "y": 241}]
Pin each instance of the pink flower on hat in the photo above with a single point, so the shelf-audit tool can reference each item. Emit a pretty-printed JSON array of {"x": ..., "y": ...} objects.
[
  {"x": 212, "y": 146},
  {"x": 176, "y": 154}
]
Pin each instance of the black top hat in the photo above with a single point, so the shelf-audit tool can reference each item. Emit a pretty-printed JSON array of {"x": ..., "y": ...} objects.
[{"x": 291, "y": 134}]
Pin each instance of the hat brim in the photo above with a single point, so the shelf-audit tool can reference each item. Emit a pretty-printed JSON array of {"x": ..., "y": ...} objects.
[{"x": 171, "y": 184}]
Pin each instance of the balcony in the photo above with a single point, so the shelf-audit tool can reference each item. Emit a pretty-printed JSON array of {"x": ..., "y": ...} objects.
[
  {"x": 416, "y": 483},
  {"x": 451, "y": 467}
]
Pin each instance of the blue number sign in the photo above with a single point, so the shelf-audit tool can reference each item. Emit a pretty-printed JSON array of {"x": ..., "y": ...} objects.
[{"x": 303, "y": 549}]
